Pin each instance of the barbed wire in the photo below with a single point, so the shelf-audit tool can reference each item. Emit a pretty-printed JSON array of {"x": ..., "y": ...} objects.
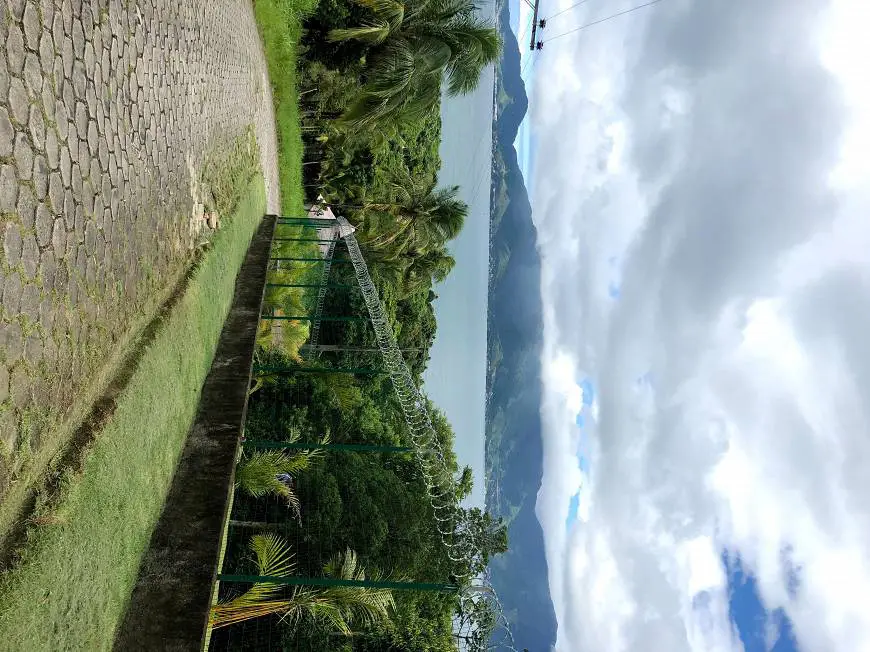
[
  {"x": 314, "y": 336},
  {"x": 461, "y": 542}
]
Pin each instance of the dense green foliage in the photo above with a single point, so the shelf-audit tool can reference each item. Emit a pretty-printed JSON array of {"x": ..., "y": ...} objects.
[
  {"x": 334, "y": 608},
  {"x": 264, "y": 472},
  {"x": 385, "y": 184},
  {"x": 414, "y": 47},
  {"x": 374, "y": 503},
  {"x": 383, "y": 178}
]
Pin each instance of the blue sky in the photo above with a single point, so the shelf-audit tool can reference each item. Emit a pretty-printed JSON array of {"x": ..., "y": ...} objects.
[
  {"x": 760, "y": 630},
  {"x": 525, "y": 142},
  {"x": 573, "y": 508},
  {"x": 582, "y": 420}
]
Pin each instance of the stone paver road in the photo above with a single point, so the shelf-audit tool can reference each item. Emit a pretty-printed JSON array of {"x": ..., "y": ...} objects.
[{"x": 107, "y": 108}]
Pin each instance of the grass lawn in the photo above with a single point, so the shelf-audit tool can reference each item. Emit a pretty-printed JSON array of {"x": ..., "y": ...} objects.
[
  {"x": 80, "y": 564},
  {"x": 279, "y": 22}
]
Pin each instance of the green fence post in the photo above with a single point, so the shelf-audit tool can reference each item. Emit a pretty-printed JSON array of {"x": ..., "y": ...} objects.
[
  {"x": 338, "y": 261},
  {"x": 287, "y": 370},
  {"x": 318, "y": 240},
  {"x": 310, "y": 285},
  {"x": 307, "y": 221},
  {"x": 261, "y": 444},
  {"x": 333, "y": 582},
  {"x": 310, "y": 318}
]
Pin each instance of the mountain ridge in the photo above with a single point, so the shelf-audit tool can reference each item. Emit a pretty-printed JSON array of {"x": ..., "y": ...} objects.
[{"x": 514, "y": 450}]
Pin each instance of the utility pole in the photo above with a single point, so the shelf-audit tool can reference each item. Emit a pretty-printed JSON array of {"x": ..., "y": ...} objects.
[{"x": 534, "y": 24}]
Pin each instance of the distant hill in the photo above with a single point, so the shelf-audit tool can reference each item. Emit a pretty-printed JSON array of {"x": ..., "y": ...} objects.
[{"x": 514, "y": 452}]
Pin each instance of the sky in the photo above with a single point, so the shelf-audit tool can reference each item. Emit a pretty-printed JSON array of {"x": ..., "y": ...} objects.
[
  {"x": 456, "y": 377},
  {"x": 701, "y": 185}
]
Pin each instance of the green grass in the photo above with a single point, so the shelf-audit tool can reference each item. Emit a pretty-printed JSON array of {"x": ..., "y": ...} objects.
[
  {"x": 279, "y": 22},
  {"x": 79, "y": 565},
  {"x": 280, "y": 26},
  {"x": 226, "y": 171}
]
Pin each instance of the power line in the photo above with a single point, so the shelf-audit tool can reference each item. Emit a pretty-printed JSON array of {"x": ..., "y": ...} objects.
[
  {"x": 485, "y": 171},
  {"x": 530, "y": 61},
  {"x": 603, "y": 20},
  {"x": 476, "y": 151},
  {"x": 522, "y": 35},
  {"x": 559, "y": 13},
  {"x": 483, "y": 174}
]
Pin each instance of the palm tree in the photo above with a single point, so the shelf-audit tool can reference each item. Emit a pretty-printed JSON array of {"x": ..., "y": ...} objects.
[
  {"x": 416, "y": 45},
  {"x": 265, "y": 472},
  {"x": 415, "y": 216},
  {"x": 340, "y": 607},
  {"x": 437, "y": 264},
  {"x": 425, "y": 221},
  {"x": 415, "y": 271}
]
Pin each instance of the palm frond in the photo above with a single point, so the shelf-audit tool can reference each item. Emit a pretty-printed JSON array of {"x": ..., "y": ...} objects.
[
  {"x": 365, "y": 112},
  {"x": 392, "y": 71},
  {"x": 404, "y": 83},
  {"x": 362, "y": 605},
  {"x": 426, "y": 97},
  {"x": 375, "y": 32},
  {"x": 418, "y": 45},
  {"x": 339, "y": 608},
  {"x": 260, "y": 474},
  {"x": 475, "y": 45},
  {"x": 293, "y": 435},
  {"x": 443, "y": 10},
  {"x": 318, "y": 606},
  {"x": 273, "y": 558},
  {"x": 390, "y": 10},
  {"x": 272, "y": 555}
]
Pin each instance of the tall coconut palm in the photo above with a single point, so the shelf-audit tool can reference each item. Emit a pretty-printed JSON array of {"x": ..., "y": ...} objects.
[
  {"x": 431, "y": 220},
  {"x": 432, "y": 266},
  {"x": 415, "y": 271},
  {"x": 341, "y": 607},
  {"x": 416, "y": 46},
  {"x": 415, "y": 215}
]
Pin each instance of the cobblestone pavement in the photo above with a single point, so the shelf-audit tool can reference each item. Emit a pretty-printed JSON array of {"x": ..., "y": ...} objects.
[{"x": 107, "y": 110}]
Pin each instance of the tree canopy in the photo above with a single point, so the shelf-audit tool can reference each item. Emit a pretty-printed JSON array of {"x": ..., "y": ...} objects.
[
  {"x": 370, "y": 83},
  {"x": 415, "y": 46}
]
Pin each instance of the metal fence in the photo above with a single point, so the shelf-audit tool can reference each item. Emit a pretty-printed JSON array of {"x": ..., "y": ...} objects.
[{"x": 344, "y": 489}]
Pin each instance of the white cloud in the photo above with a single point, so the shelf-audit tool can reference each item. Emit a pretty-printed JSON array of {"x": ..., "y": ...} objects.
[
  {"x": 843, "y": 46},
  {"x": 719, "y": 151}
]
